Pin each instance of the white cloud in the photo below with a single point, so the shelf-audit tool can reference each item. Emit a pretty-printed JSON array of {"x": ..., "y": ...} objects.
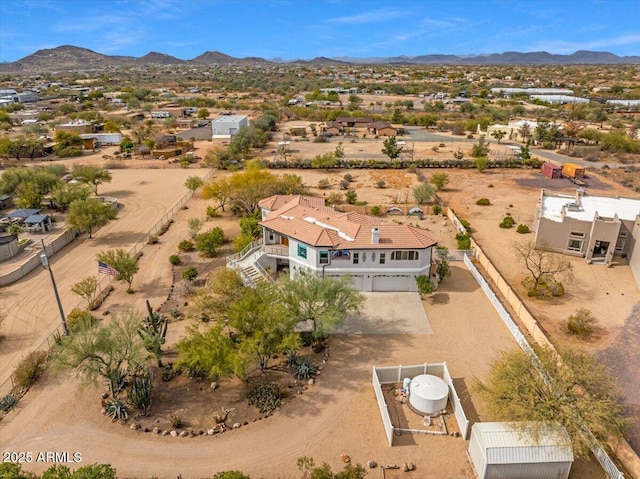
[
  {"x": 562, "y": 46},
  {"x": 369, "y": 17}
]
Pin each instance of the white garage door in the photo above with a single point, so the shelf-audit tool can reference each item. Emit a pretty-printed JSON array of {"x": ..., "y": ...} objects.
[
  {"x": 394, "y": 283},
  {"x": 357, "y": 281}
]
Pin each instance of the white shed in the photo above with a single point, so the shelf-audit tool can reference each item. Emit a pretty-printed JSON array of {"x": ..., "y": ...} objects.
[
  {"x": 517, "y": 451},
  {"x": 228, "y": 125}
]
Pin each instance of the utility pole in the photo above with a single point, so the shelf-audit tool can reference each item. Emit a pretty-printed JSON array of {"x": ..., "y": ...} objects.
[{"x": 44, "y": 260}]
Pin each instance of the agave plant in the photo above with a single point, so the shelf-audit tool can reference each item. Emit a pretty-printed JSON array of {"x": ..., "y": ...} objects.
[
  {"x": 292, "y": 358},
  {"x": 115, "y": 409},
  {"x": 8, "y": 402},
  {"x": 305, "y": 369}
]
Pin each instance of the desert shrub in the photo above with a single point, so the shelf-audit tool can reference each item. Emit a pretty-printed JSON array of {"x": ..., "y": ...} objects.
[
  {"x": 348, "y": 177},
  {"x": 30, "y": 369},
  {"x": 153, "y": 239},
  {"x": 437, "y": 209},
  {"x": 483, "y": 202},
  {"x": 175, "y": 420},
  {"x": 351, "y": 196},
  {"x": 581, "y": 323},
  {"x": 412, "y": 168},
  {"x": 507, "y": 222},
  {"x": 169, "y": 372},
  {"x": 186, "y": 245},
  {"x": 546, "y": 288},
  {"x": 425, "y": 286},
  {"x": 80, "y": 318},
  {"x": 443, "y": 270},
  {"x": 212, "y": 212},
  {"x": 523, "y": 229},
  {"x": 467, "y": 226},
  {"x": 69, "y": 152},
  {"x": 267, "y": 397},
  {"x": 190, "y": 273},
  {"x": 175, "y": 260},
  {"x": 344, "y": 184},
  {"x": 376, "y": 211},
  {"x": 381, "y": 184},
  {"x": 464, "y": 241},
  {"x": 323, "y": 184},
  {"x": 230, "y": 475},
  {"x": 490, "y": 185}
]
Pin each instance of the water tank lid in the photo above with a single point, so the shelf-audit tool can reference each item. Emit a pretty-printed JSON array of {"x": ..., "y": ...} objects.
[{"x": 429, "y": 387}]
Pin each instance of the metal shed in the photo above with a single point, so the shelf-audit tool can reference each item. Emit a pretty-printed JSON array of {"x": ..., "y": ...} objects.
[
  {"x": 520, "y": 451},
  {"x": 551, "y": 171}
]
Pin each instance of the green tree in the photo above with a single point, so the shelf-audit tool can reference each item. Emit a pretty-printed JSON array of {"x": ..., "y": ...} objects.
[
  {"x": 203, "y": 113},
  {"x": 439, "y": 180},
  {"x": 290, "y": 184},
  {"x": 423, "y": 193},
  {"x": 326, "y": 161},
  {"x": 193, "y": 183},
  {"x": 111, "y": 126},
  {"x": 105, "y": 351},
  {"x": 68, "y": 143},
  {"x": 354, "y": 101},
  {"x": 250, "y": 186},
  {"x": 90, "y": 214},
  {"x": 325, "y": 302},
  {"x": 66, "y": 193},
  {"x": 481, "y": 163},
  {"x": 391, "y": 148},
  {"x": 91, "y": 175},
  {"x": 218, "y": 189},
  {"x": 220, "y": 157},
  {"x": 567, "y": 386},
  {"x": 210, "y": 242},
  {"x": 351, "y": 196},
  {"x": 123, "y": 262},
  {"x": 126, "y": 145},
  {"x": 28, "y": 195},
  {"x": 86, "y": 289},
  {"x": 194, "y": 225},
  {"x": 246, "y": 138}
]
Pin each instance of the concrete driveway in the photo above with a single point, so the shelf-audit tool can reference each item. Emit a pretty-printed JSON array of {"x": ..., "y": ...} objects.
[{"x": 389, "y": 313}]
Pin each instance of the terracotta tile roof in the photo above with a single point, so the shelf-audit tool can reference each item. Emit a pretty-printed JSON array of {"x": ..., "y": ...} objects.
[
  {"x": 305, "y": 220},
  {"x": 278, "y": 201}
]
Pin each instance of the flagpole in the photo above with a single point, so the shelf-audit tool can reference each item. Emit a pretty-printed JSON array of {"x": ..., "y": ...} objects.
[{"x": 100, "y": 287}]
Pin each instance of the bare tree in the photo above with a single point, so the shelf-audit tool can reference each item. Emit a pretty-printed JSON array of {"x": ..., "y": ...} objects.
[{"x": 543, "y": 264}]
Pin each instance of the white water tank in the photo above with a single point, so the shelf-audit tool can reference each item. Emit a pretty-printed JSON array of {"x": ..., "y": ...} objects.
[{"x": 428, "y": 394}]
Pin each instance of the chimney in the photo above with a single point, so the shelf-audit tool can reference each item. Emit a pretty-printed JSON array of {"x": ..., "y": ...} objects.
[
  {"x": 579, "y": 195},
  {"x": 375, "y": 236}
]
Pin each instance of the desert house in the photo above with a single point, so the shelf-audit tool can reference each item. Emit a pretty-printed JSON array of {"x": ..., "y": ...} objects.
[
  {"x": 225, "y": 126},
  {"x": 594, "y": 227},
  {"x": 299, "y": 232}
]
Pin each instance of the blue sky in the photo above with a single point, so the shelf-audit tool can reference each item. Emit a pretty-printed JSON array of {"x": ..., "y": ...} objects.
[{"x": 305, "y": 29}]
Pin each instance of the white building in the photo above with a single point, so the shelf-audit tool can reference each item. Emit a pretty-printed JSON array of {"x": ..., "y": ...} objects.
[
  {"x": 510, "y": 450},
  {"x": 225, "y": 126},
  {"x": 299, "y": 232}
]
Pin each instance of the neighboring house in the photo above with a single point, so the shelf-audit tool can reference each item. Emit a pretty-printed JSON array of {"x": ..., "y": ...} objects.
[
  {"x": 382, "y": 128},
  {"x": 594, "y": 227},
  {"x": 333, "y": 127},
  {"x": 300, "y": 232},
  {"x": 103, "y": 139},
  {"x": 77, "y": 126},
  {"x": 225, "y": 126}
]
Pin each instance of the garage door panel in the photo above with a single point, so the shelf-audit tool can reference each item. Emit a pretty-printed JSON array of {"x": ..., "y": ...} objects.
[{"x": 394, "y": 283}]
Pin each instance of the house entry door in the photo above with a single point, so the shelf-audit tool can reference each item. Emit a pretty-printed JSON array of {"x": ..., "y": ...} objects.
[{"x": 600, "y": 248}]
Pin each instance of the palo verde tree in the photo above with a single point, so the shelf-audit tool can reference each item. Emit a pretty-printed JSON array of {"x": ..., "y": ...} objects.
[
  {"x": 66, "y": 193},
  {"x": 218, "y": 189},
  {"x": 422, "y": 193},
  {"x": 193, "y": 183},
  {"x": 545, "y": 267},
  {"x": 567, "y": 386},
  {"x": 91, "y": 175},
  {"x": 123, "y": 262},
  {"x": 439, "y": 180},
  {"x": 90, "y": 214},
  {"x": 107, "y": 351},
  {"x": 86, "y": 289},
  {"x": 325, "y": 302}
]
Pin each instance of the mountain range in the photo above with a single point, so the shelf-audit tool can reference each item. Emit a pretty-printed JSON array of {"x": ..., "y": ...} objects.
[{"x": 68, "y": 57}]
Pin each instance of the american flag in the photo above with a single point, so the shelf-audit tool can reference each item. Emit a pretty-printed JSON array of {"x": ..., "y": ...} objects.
[{"x": 104, "y": 268}]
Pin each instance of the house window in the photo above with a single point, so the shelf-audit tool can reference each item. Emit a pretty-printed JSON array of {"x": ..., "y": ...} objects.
[
  {"x": 324, "y": 257},
  {"x": 302, "y": 251},
  {"x": 356, "y": 258},
  {"x": 271, "y": 237},
  {"x": 373, "y": 257},
  {"x": 577, "y": 234},
  {"x": 404, "y": 255},
  {"x": 364, "y": 257},
  {"x": 383, "y": 258},
  {"x": 575, "y": 245}
]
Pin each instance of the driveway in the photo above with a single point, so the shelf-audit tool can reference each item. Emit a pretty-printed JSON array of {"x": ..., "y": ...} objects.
[{"x": 389, "y": 313}]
